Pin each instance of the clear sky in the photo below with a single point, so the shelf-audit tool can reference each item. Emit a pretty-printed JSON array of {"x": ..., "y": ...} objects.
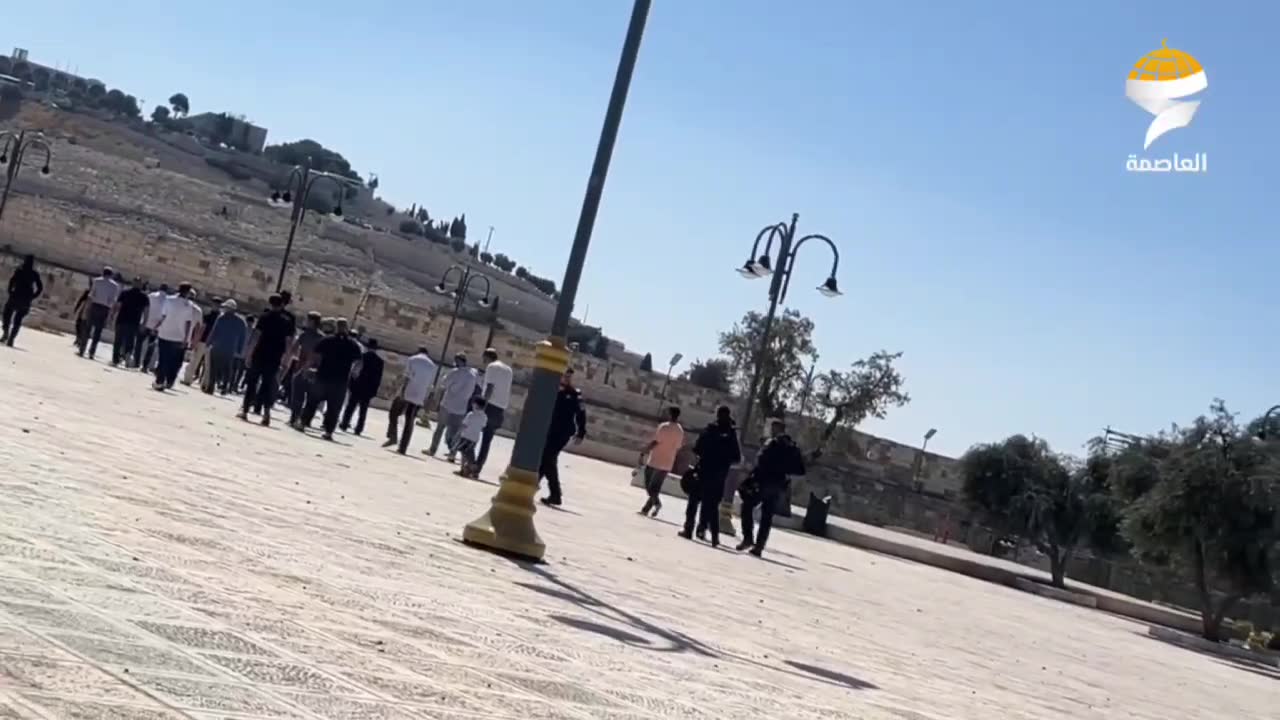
[{"x": 968, "y": 158}]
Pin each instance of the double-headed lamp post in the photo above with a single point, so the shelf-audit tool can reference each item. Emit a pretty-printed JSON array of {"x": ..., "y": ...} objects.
[
  {"x": 13, "y": 151},
  {"x": 508, "y": 526},
  {"x": 762, "y": 264},
  {"x": 466, "y": 276},
  {"x": 759, "y": 265},
  {"x": 297, "y": 188},
  {"x": 1264, "y": 432}
]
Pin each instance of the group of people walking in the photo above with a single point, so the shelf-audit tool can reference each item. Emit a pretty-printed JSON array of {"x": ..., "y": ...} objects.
[
  {"x": 716, "y": 451},
  {"x": 326, "y": 369}
]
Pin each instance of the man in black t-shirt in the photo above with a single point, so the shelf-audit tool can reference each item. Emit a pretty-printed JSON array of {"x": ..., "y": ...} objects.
[
  {"x": 129, "y": 308},
  {"x": 334, "y": 357},
  {"x": 272, "y": 339}
]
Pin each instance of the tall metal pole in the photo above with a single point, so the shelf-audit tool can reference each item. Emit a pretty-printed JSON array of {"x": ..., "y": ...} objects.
[
  {"x": 508, "y": 525},
  {"x": 1265, "y": 430},
  {"x": 295, "y": 219},
  {"x": 12, "y": 171},
  {"x": 775, "y": 296}
]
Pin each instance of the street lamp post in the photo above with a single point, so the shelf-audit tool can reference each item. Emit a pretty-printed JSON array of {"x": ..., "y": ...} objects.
[
  {"x": 297, "y": 188},
  {"x": 666, "y": 383},
  {"x": 466, "y": 275},
  {"x": 761, "y": 264},
  {"x": 1265, "y": 431},
  {"x": 924, "y": 447},
  {"x": 13, "y": 151},
  {"x": 508, "y": 525}
]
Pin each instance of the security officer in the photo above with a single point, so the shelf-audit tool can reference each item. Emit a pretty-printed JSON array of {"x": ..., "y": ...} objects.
[{"x": 568, "y": 422}]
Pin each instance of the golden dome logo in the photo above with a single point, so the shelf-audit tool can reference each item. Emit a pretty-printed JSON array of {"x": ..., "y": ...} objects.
[{"x": 1156, "y": 84}]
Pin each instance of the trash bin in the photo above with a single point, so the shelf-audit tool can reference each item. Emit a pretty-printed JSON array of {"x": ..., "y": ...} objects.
[{"x": 815, "y": 516}]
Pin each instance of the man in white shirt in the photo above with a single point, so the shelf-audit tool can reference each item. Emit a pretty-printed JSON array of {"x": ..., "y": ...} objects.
[
  {"x": 155, "y": 304},
  {"x": 456, "y": 390},
  {"x": 496, "y": 390},
  {"x": 419, "y": 372},
  {"x": 103, "y": 292},
  {"x": 178, "y": 320}
]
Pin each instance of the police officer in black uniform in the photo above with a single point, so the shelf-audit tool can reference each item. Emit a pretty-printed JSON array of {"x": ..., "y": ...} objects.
[
  {"x": 718, "y": 450},
  {"x": 766, "y": 485},
  {"x": 568, "y": 422}
]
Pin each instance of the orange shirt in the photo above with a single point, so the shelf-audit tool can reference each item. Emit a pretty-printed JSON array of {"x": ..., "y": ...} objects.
[{"x": 669, "y": 438}]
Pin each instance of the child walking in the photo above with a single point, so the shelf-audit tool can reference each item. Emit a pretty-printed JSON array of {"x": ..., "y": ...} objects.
[{"x": 468, "y": 438}]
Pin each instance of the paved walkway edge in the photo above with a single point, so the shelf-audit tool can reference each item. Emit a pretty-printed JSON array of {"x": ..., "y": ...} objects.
[{"x": 839, "y": 530}]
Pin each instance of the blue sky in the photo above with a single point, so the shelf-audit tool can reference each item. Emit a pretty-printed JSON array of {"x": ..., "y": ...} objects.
[{"x": 968, "y": 158}]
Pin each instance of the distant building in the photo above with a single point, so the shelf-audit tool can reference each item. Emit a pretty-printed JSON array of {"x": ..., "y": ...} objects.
[
  {"x": 233, "y": 131},
  {"x": 19, "y": 65}
]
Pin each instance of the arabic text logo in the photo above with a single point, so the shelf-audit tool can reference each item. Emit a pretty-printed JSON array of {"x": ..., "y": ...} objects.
[{"x": 1156, "y": 84}]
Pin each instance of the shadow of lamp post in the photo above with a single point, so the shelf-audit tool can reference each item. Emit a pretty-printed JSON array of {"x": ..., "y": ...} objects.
[
  {"x": 507, "y": 526},
  {"x": 297, "y": 189},
  {"x": 13, "y": 151},
  {"x": 759, "y": 265}
]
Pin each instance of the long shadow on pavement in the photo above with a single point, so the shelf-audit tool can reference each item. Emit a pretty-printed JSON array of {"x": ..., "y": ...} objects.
[{"x": 672, "y": 640}]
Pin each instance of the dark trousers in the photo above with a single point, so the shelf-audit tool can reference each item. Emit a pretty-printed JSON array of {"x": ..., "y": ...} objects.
[
  {"x": 706, "y": 498},
  {"x": 260, "y": 386},
  {"x": 356, "y": 404},
  {"x": 143, "y": 351},
  {"x": 14, "y": 312},
  {"x": 169, "y": 363},
  {"x": 91, "y": 331},
  {"x": 653, "y": 479},
  {"x": 496, "y": 415},
  {"x": 218, "y": 378},
  {"x": 126, "y": 338},
  {"x": 550, "y": 466},
  {"x": 299, "y": 389},
  {"x": 237, "y": 374},
  {"x": 330, "y": 393},
  {"x": 767, "y": 501},
  {"x": 409, "y": 412}
]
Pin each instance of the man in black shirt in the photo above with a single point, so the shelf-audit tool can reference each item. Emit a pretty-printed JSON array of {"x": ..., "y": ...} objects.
[
  {"x": 129, "y": 308},
  {"x": 364, "y": 386},
  {"x": 24, "y": 287},
  {"x": 568, "y": 422},
  {"x": 766, "y": 486},
  {"x": 272, "y": 339},
  {"x": 334, "y": 358}
]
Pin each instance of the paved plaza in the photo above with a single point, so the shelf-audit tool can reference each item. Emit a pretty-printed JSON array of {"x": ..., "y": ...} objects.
[{"x": 160, "y": 559}]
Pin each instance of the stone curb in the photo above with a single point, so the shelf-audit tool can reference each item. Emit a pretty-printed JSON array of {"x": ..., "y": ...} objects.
[
  {"x": 845, "y": 534},
  {"x": 1195, "y": 642},
  {"x": 1053, "y": 593}
]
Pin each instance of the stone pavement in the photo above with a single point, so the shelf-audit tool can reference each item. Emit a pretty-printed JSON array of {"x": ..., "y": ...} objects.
[{"x": 160, "y": 559}]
